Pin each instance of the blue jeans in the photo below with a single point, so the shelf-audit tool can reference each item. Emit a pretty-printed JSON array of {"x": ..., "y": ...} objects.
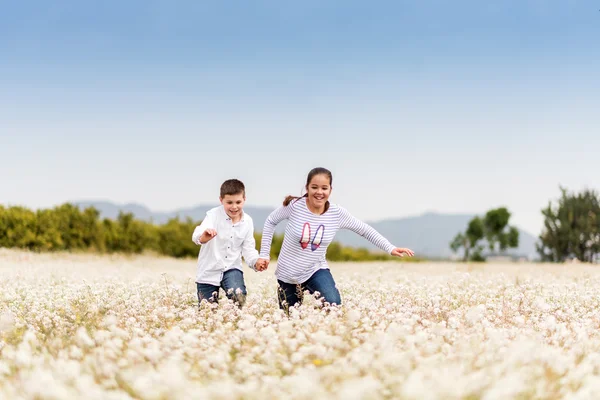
[
  {"x": 233, "y": 279},
  {"x": 321, "y": 281}
]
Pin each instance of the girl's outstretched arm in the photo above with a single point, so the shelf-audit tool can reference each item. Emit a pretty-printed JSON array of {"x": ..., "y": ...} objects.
[
  {"x": 273, "y": 219},
  {"x": 348, "y": 221}
]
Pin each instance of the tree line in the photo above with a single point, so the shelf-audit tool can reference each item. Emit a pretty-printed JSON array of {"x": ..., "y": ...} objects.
[
  {"x": 571, "y": 231},
  {"x": 69, "y": 228}
]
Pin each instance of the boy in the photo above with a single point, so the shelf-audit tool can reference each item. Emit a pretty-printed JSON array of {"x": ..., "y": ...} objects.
[{"x": 226, "y": 234}]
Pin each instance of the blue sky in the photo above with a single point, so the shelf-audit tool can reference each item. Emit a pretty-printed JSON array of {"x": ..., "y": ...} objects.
[{"x": 415, "y": 106}]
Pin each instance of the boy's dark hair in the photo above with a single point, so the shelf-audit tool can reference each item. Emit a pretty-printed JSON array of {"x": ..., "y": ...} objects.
[{"x": 231, "y": 187}]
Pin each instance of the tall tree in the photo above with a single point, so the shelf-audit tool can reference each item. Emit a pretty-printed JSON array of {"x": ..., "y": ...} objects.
[
  {"x": 571, "y": 227},
  {"x": 469, "y": 241},
  {"x": 499, "y": 234},
  {"x": 494, "y": 228}
]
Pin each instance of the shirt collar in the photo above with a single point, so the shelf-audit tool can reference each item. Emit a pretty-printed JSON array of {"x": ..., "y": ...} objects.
[{"x": 228, "y": 218}]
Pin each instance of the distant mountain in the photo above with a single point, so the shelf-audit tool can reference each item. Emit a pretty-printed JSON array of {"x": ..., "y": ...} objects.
[{"x": 428, "y": 234}]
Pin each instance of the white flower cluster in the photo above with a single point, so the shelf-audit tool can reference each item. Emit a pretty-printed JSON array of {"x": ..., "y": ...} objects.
[{"x": 81, "y": 326}]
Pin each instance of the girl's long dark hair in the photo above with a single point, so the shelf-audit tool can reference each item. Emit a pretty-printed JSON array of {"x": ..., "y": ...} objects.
[{"x": 313, "y": 172}]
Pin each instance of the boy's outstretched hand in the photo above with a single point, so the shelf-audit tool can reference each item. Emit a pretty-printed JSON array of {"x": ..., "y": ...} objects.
[
  {"x": 400, "y": 252},
  {"x": 207, "y": 235},
  {"x": 261, "y": 264}
]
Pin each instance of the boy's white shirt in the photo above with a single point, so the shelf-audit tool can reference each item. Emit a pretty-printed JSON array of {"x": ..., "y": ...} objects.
[{"x": 224, "y": 251}]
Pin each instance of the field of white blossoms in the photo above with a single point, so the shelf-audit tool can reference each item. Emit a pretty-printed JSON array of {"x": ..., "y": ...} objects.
[{"x": 101, "y": 327}]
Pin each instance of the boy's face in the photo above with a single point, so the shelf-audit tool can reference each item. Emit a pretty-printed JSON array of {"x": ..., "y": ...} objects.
[{"x": 233, "y": 204}]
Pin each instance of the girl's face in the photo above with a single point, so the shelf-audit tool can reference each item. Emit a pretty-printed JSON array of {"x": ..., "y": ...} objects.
[{"x": 318, "y": 190}]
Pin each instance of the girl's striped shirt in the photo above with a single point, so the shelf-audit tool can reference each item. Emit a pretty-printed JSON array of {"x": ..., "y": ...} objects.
[{"x": 307, "y": 237}]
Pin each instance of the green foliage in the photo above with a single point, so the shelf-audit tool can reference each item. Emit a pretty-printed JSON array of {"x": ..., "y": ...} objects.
[
  {"x": 571, "y": 228},
  {"x": 48, "y": 234},
  {"x": 18, "y": 228},
  {"x": 469, "y": 240},
  {"x": 499, "y": 234},
  {"x": 68, "y": 228},
  {"x": 79, "y": 230},
  {"x": 134, "y": 235},
  {"x": 493, "y": 228},
  {"x": 175, "y": 238}
]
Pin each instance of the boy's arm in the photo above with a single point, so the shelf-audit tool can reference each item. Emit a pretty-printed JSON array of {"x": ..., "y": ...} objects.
[
  {"x": 207, "y": 224},
  {"x": 280, "y": 214},
  {"x": 249, "y": 251}
]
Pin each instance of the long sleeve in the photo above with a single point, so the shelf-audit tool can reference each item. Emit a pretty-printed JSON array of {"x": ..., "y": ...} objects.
[
  {"x": 249, "y": 251},
  {"x": 280, "y": 214},
  {"x": 348, "y": 221},
  {"x": 207, "y": 223}
]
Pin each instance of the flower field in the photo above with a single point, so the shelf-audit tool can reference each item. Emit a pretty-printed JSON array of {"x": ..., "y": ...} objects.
[{"x": 116, "y": 327}]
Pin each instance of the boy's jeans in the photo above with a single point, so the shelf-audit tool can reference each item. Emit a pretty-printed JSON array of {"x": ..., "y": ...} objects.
[
  {"x": 321, "y": 281},
  {"x": 233, "y": 280}
]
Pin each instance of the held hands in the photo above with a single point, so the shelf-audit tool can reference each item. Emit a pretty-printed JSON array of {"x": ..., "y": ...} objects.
[
  {"x": 261, "y": 264},
  {"x": 207, "y": 235},
  {"x": 400, "y": 252}
]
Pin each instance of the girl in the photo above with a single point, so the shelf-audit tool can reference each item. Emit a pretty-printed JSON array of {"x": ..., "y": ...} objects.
[{"x": 312, "y": 225}]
